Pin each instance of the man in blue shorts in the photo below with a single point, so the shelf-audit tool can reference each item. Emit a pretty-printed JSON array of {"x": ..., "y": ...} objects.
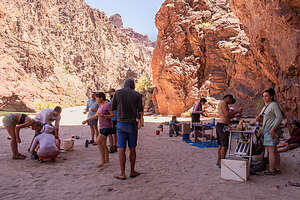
[{"x": 128, "y": 104}]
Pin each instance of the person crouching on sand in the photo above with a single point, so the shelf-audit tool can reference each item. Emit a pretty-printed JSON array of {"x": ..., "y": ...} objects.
[
  {"x": 104, "y": 115},
  {"x": 13, "y": 123},
  {"x": 48, "y": 145}
]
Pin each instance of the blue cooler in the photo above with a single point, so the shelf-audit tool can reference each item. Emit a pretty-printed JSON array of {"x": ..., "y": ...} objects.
[{"x": 185, "y": 136}]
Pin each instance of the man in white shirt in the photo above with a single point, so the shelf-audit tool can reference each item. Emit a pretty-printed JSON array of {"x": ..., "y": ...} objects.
[{"x": 48, "y": 116}]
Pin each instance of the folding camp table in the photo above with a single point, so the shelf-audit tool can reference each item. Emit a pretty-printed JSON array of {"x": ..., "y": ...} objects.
[
  {"x": 245, "y": 143},
  {"x": 203, "y": 127}
]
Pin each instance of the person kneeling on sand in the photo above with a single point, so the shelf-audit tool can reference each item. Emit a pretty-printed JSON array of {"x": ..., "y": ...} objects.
[
  {"x": 104, "y": 115},
  {"x": 13, "y": 123},
  {"x": 174, "y": 127},
  {"x": 294, "y": 141},
  {"x": 45, "y": 144}
]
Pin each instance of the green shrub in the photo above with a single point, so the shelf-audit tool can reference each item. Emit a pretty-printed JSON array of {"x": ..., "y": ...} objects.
[
  {"x": 41, "y": 105},
  {"x": 186, "y": 114},
  {"x": 143, "y": 84}
]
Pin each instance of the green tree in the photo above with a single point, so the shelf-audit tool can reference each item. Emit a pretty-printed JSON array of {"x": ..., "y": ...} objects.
[{"x": 143, "y": 84}]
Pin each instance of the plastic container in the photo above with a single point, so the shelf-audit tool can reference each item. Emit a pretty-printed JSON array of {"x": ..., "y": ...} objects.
[
  {"x": 186, "y": 137},
  {"x": 86, "y": 143},
  {"x": 213, "y": 122}
]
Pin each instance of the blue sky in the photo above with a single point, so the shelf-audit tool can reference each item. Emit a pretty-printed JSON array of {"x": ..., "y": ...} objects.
[{"x": 137, "y": 14}]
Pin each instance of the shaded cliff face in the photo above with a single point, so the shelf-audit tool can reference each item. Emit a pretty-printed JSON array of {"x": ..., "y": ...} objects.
[
  {"x": 204, "y": 50},
  {"x": 57, "y": 51},
  {"x": 273, "y": 28}
]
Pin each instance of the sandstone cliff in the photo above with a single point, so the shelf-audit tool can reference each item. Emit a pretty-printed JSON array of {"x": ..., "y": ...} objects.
[
  {"x": 273, "y": 28},
  {"x": 57, "y": 51},
  {"x": 204, "y": 50}
]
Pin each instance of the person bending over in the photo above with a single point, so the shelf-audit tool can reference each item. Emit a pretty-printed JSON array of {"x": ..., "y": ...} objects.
[
  {"x": 13, "y": 123},
  {"x": 48, "y": 116}
]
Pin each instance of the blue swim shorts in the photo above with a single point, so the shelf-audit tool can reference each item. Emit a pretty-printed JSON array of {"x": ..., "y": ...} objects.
[{"x": 127, "y": 132}]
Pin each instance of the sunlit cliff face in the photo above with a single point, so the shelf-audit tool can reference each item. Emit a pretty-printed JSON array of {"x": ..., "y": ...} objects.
[
  {"x": 203, "y": 51},
  {"x": 55, "y": 52}
]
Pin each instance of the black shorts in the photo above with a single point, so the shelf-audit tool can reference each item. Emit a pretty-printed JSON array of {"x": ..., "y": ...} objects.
[
  {"x": 106, "y": 131},
  {"x": 196, "y": 119},
  {"x": 114, "y": 129},
  {"x": 222, "y": 137}
]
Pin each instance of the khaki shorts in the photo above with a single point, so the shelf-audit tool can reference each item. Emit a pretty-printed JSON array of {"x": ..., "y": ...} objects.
[{"x": 9, "y": 120}]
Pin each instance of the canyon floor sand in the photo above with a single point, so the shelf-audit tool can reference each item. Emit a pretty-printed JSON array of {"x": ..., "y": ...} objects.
[{"x": 171, "y": 169}]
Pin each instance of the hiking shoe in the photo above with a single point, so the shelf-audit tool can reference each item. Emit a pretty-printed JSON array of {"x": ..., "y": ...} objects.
[
  {"x": 111, "y": 149},
  {"x": 91, "y": 142}
]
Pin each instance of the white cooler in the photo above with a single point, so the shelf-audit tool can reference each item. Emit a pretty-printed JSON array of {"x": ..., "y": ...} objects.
[{"x": 235, "y": 169}]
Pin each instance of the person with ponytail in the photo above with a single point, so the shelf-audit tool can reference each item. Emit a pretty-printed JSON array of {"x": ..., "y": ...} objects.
[{"x": 272, "y": 117}]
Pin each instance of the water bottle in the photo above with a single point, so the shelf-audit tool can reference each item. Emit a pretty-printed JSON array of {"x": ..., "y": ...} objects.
[{"x": 86, "y": 143}]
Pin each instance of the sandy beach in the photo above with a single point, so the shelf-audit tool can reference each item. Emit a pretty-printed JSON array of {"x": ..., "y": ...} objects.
[{"x": 171, "y": 169}]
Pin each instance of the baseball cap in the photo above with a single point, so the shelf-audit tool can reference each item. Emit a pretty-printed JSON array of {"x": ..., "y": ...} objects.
[{"x": 231, "y": 97}]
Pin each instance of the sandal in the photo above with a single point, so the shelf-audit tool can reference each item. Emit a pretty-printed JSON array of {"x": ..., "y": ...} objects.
[
  {"x": 19, "y": 157},
  {"x": 91, "y": 142},
  {"x": 269, "y": 173},
  {"x": 277, "y": 171},
  {"x": 111, "y": 149},
  {"x": 135, "y": 175},
  {"x": 120, "y": 178}
]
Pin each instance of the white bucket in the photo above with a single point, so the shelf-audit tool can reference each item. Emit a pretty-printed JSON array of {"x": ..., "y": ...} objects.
[{"x": 68, "y": 145}]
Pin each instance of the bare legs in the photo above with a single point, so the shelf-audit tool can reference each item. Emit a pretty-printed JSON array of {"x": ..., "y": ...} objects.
[
  {"x": 101, "y": 142},
  {"x": 14, "y": 144},
  {"x": 94, "y": 132},
  {"x": 13, "y": 141},
  {"x": 197, "y": 134},
  {"x": 122, "y": 159},
  {"x": 113, "y": 142},
  {"x": 132, "y": 158},
  {"x": 274, "y": 158},
  {"x": 221, "y": 153}
]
